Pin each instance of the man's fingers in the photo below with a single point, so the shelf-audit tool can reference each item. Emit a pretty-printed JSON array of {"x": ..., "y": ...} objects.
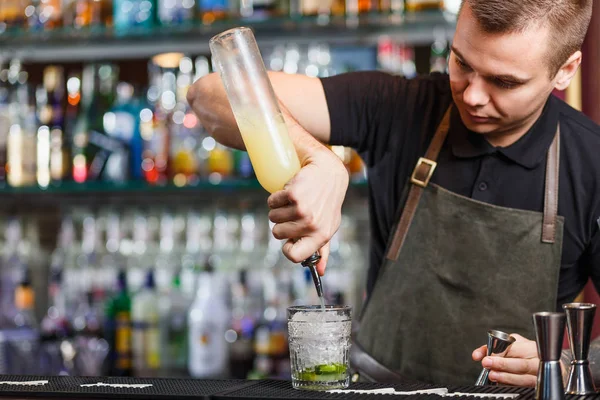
[
  {"x": 291, "y": 230},
  {"x": 511, "y": 365},
  {"x": 300, "y": 250},
  {"x": 322, "y": 264},
  {"x": 512, "y": 379},
  {"x": 279, "y": 199},
  {"x": 479, "y": 353},
  {"x": 283, "y": 214}
]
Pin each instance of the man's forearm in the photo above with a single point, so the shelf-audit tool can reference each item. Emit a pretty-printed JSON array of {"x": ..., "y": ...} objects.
[
  {"x": 303, "y": 97},
  {"x": 209, "y": 101}
]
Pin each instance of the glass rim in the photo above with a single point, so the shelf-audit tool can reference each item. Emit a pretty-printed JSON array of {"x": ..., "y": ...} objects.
[
  {"x": 315, "y": 308},
  {"x": 578, "y": 306},
  {"x": 229, "y": 32}
]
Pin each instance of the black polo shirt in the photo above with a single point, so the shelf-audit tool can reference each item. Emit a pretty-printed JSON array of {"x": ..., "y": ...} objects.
[{"x": 390, "y": 121}]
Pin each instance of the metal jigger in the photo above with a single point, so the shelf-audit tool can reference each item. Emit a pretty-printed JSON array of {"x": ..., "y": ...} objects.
[
  {"x": 497, "y": 344},
  {"x": 549, "y": 333},
  {"x": 580, "y": 318}
]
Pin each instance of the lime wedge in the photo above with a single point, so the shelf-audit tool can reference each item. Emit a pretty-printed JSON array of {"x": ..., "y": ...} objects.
[
  {"x": 307, "y": 375},
  {"x": 323, "y": 373},
  {"x": 326, "y": 369}
]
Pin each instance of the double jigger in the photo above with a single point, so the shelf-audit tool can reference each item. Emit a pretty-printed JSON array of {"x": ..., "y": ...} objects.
[
  {"x": 580, "y": 320},
  {"x": 549, "y": 332}
]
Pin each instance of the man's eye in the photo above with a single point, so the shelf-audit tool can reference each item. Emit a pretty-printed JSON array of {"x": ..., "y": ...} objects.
[
  {"x": 461, "y": 63},
  {"x": 505, "y": 84}
]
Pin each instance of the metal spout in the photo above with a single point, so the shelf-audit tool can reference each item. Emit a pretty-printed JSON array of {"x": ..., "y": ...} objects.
[
  {"x": 311, "y": 264},
  {"x": 580, "y": 320},
  {"x": 497, "y": 345}
]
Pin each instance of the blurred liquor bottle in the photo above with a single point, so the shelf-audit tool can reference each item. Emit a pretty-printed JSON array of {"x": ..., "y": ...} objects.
[
  {"x": 12, "y": 14},
  {"x": 420, "y": 5},
  {"x": 82, "y": 14},
  {"x": 210, "y": 11},
  {"x": 176, "y": 12}
]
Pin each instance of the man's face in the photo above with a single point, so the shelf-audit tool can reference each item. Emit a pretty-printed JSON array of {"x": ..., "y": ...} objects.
[{"x": 500, "y": 82}]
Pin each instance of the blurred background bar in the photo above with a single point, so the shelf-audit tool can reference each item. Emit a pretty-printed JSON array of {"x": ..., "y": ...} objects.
[{"x": 124, "y": 226}]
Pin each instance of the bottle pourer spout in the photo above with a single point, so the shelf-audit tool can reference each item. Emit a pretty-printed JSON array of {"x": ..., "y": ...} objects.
[{"x": 311, "y": 264}]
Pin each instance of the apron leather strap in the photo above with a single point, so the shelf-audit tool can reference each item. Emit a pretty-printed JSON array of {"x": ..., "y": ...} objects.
[
  {"x": 551, "y": 198},
  {"x": 420, "y": 179},
  {"x": 426, "y": 167}
]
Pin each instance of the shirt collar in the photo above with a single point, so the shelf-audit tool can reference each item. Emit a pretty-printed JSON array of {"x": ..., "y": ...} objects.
[{"x": 529, "y": 151}]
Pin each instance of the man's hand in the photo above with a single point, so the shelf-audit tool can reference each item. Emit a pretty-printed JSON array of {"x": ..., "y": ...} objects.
[
  {"x": 518, "y": 367},
  {"x": 307, "y": 212}
]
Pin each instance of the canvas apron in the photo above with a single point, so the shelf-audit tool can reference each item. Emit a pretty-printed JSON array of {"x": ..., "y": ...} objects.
[{"x": 454, "y": 269}]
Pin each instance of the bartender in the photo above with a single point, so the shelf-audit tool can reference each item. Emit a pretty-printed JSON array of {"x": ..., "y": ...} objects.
[{"x": 484, "y": 190}]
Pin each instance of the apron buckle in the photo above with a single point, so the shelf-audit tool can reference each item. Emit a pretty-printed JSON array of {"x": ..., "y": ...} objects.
[{"x": 419, "y": 176}]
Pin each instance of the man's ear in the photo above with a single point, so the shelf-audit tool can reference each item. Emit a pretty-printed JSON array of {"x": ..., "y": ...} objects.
[{"x": 567, "y": 71}]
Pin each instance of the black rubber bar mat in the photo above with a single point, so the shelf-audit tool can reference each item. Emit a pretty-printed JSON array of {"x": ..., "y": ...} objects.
[
  {"x": 114, "y": 387},
  {"x": 282, "y": 390},
  {"x": 75, "y": 388}
]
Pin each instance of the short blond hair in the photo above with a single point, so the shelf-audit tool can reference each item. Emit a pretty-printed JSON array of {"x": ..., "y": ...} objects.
[{"x": 568, "y": 21}]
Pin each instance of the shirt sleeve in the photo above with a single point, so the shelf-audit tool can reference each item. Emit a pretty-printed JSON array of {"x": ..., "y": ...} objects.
[{"x": 369, "y": 111}]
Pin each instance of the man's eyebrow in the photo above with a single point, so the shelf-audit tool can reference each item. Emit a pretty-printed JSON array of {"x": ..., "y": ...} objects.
[
  {"x": 455, "y": 51},
  {"x": 511, "y": 78},
  {"x": 504, "y": 77}
]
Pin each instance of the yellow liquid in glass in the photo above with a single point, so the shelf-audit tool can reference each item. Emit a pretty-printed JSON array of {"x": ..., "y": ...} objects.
[{"x": 271, "y": 152}]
